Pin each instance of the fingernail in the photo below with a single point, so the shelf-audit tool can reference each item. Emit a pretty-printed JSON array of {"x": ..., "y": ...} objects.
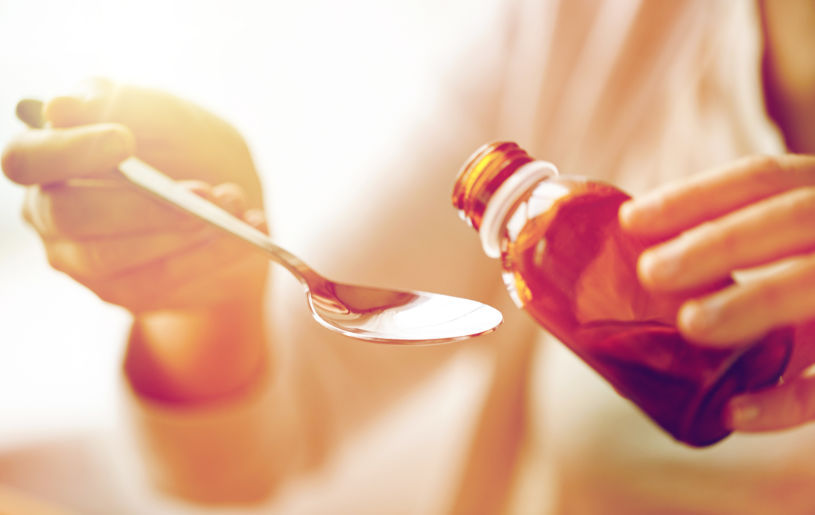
[
  {"x": 637, "y": 211},
  {"x": 31, "y": 112},
  {"x": 627, "y": 210},
  {"x": 255, "y": 217},
  {"x": 658, "y": 268},
  {"x": 230, "y": 204},
  {"x": 230, "y": 197},
  {"x": 743, "y": 412}
]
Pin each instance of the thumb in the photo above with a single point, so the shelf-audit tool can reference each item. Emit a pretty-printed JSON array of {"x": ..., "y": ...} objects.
[
  {"x": 788, "y": 405},
  {"x": 87, "y": 103}
]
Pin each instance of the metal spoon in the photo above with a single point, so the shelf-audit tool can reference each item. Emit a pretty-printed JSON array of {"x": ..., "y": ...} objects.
[{"x": 372, "y": 314}]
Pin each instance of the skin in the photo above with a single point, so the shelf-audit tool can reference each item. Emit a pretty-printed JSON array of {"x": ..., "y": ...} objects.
[
  {"x": 201, "y": 332},
  {"x": 756, "y": 213},
  {"x": 187, "y": 285},
  {"x": 196, "y": 296}
]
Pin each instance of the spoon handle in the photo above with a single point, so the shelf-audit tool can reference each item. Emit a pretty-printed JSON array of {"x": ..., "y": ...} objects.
[{"x": 159, "y": 185}]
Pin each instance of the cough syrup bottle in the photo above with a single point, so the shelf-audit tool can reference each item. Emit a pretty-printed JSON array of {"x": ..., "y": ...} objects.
[{"x": 567, "y": 262}]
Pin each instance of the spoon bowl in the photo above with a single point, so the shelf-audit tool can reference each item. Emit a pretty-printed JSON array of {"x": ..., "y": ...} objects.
[
  {"x": 371, "y": 314},
  {"x": 399, "y": 317}
]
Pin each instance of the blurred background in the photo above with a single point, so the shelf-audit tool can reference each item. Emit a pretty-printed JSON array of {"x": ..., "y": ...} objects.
[
  {"x": 322, "y": 91},
  {"x": 318, "y": 88}
]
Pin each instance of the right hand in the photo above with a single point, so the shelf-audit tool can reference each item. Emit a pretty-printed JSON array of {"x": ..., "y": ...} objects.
[
  {"x": 196, "y": 294},
  {"x": 128, "y": 248}
]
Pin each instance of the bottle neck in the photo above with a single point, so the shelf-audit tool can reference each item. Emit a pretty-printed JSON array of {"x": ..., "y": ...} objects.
[
  {"x": 482, "y": 174},
  {"x": 502, "y": 202},
  {"x": 490, "y": 183}
]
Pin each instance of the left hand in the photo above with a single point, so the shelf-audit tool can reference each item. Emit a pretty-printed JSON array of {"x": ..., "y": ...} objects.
[{"x": 756, "y": 214}]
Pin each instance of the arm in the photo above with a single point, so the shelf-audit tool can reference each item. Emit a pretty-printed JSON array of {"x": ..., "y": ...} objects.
[
  {"x": 193, "y": 349},
  {"x": 195, "y": 295}
]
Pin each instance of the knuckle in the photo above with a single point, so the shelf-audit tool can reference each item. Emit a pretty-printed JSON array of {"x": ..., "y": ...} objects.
[
  {"x": 801, "y": 204},
  {"x": 728, "y": 242},
  {"x": 764, "y": 165},
  {"x": 763, "y": 170},
  {"x": 766, "y": 300}
]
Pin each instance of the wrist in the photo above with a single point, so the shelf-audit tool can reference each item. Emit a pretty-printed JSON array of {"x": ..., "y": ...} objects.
[{"x": 199, "y": 355}]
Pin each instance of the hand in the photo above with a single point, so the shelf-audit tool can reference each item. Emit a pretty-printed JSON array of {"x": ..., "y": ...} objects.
[
  {"x": 196, "y": 294},
  {"x": 757, "y": 216},
  {"x": 128, "y": 248}
]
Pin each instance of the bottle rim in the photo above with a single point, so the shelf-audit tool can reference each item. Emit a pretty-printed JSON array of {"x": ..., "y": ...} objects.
[{"x": 503, "y": 200}]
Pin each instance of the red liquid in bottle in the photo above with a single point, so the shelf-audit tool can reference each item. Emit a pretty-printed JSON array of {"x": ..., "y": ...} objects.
[{"x": 567, "y": 262}]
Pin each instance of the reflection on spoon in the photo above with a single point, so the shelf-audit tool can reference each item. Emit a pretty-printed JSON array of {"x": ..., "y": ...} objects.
[{"x": 400, "y": 317}]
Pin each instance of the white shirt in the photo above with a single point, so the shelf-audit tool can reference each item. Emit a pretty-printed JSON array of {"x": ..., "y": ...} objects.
[{"x": 632, "y": 92}]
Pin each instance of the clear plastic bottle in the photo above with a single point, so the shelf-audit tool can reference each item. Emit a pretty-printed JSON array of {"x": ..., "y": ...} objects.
[{"x": 567, "y": 262}]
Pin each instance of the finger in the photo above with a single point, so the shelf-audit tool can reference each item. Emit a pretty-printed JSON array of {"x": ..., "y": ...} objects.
[
  {"x": 745, "y": 311},
  {"x": 90, "y": 101},
  {"x": 103, "y": 257},
  {"x": 107, "y": 257},
  {"x": 173, "y": 135},
  {"x": 30, "y": 111},
  {"x": 54, "y": 155},
  {"x": 200, "y": 188},
  {"x": 101, "y": 100},
  {"x": 256, "y": 219},
  {"x": 157, "y": 284},
  {"x": 155, "y": 117},
  {"x": 803, "y": 352},
  {"x": 769, "y": 230},
  {"x": 88, "y": 209},
  {"x": 788, "y": 405},
  {"x": 675, "y": 207},
  {"x": 242, "y": 277},
  {"x": 230, "y": 197}
]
